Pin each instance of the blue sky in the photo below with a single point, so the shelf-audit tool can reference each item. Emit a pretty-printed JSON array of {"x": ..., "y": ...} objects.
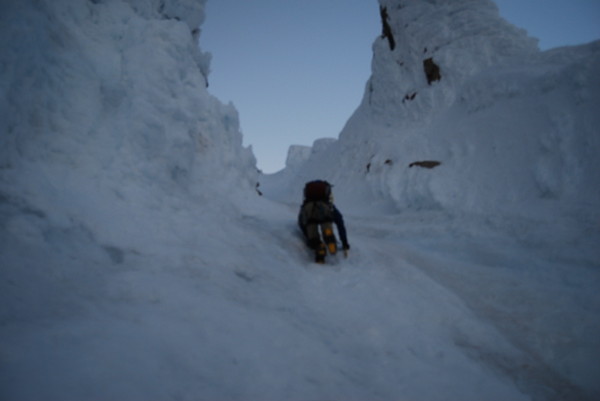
[{"x": 296, "y": 70}]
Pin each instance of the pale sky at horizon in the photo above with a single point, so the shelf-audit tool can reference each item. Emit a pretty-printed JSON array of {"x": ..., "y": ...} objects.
[{"x": 296, "y": 70}]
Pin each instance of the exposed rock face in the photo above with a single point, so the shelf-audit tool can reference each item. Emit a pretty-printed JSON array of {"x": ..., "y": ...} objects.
[
  {"x": 451, "y": 38},
  {"x": 432, "y": 71},
  {"x": 386, "y": 30}
]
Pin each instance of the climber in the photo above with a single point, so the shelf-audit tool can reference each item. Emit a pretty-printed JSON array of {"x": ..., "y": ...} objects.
[{"x": 318, "y": 211}]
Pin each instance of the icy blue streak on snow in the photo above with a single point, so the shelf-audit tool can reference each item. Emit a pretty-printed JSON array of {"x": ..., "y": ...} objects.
[{"x": 138, "y": 262}]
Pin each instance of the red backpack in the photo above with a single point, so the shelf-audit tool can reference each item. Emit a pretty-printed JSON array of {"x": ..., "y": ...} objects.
[{"x": 317, "y": 191}]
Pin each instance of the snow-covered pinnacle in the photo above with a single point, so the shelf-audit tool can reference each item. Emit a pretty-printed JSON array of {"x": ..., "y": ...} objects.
[
  {"x": 297, "y": 154},
  {"x": 428, "y": 48},
  {"x": 114, "y": 93},
  {"x": 510, "y": 129},
  {"x": 189, "y": 11}
]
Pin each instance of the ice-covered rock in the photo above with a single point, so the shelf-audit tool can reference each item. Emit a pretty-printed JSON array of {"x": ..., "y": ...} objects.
[
  {"x": 111, "y": 95},
  {"x": 512, "y": 128},
  {"x": 297, "y": 155}
]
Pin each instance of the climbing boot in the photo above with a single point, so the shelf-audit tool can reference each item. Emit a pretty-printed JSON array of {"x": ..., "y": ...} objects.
[
  {"x": 329, "y": 238},
  {"x": 320, "y": 253}
]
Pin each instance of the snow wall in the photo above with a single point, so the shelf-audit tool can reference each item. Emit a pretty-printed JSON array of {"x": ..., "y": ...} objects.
[
  {"x": 118, "y": 277},
  {"x": 514, "y": 130},
  {"x": 104, "y": 111}
]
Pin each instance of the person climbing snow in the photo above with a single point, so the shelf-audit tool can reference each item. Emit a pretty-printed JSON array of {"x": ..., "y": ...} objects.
[{"x": 316, "y": 218}]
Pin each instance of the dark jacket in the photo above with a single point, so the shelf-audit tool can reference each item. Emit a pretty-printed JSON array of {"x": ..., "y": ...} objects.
[{"x": 338, "y": 220}]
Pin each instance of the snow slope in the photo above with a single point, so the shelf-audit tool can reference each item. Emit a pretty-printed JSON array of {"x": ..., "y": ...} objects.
[{"x": 138, "y": 262}]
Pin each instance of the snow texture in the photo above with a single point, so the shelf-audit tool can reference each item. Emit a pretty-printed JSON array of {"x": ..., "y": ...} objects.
[
  {"x": 138, "y": 262},
  {"x": 514, "y": 129}
]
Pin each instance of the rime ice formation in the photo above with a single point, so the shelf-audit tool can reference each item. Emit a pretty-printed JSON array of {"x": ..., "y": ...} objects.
[
  {"x": 138, "y": 262},
  {"x": 514, "y": 128}
]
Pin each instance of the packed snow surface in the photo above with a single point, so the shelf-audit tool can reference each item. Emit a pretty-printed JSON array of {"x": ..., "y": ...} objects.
[{"x": 137, "y": 260}]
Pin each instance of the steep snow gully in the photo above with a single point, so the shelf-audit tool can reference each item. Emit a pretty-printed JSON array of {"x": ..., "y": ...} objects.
[
  {"x": 428, "y": 306},
  {"x": 138, "y": 262},
  {"x": 442, "y": 306}
]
